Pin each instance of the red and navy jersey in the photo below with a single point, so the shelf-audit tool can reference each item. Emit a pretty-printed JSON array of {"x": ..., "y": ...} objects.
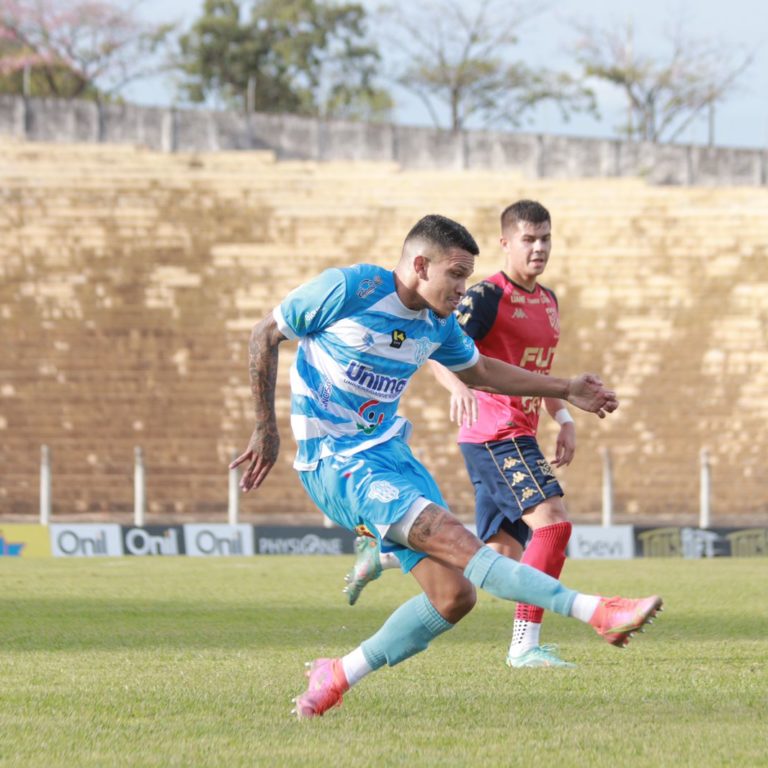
[{"x": 517, "y": 326}]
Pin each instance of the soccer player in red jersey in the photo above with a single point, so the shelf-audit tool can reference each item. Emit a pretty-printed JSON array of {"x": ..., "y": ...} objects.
[{"x": 514, "y": 318}]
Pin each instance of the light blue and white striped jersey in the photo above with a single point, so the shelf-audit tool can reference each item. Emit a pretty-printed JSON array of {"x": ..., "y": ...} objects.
[{"x": 358, "y": 348}]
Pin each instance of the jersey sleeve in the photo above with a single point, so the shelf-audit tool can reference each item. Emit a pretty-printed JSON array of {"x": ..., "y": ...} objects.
[
  {"x": 313, "y": 305},
  {"x": 477, "y": 311},
  {"x": 457, "y": 351}
]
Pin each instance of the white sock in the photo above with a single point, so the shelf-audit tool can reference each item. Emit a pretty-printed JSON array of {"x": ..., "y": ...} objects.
[
  {"x": 525, "y": 635},
  {"x": 355, "y": 666},
  {"x": 584, "y": 607},
  {"x": 389, "y": 560}
]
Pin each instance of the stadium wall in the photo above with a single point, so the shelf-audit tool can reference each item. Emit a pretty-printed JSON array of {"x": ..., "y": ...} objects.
[
  {"x": 301, "y": 138},
  {"x": 130, "y": 280}
]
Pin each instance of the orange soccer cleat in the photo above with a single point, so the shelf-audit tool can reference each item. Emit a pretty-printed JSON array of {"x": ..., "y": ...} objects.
[{"x": 617, "y": 618}]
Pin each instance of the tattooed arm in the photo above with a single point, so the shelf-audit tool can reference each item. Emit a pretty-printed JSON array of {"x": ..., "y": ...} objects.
[{"x": 264, "y": 445}]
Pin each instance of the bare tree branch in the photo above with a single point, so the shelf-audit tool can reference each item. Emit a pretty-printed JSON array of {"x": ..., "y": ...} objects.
[
  {"x": 457, "y": 57},
  {"x": 664, "y": 94}
]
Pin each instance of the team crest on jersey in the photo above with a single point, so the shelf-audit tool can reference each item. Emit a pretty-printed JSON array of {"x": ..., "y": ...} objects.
[
  {"x": 554, "y": 318},
  {"x": 368, "y": 286},
  {"x": 398, "y": 337},
  {"x": 381, "y": 490},
  {"x": 423, "y": 350}
]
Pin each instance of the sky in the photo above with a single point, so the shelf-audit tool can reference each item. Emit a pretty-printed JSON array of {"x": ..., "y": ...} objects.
[{"x": 741, "y": 120}]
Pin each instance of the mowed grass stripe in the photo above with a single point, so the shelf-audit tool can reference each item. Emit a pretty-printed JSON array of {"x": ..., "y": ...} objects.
[{"x": 192, "y": 662}]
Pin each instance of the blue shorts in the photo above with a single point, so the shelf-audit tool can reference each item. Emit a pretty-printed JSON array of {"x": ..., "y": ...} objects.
[
  {"x": 509, "y": 477},
  {"x": 370, "y": 488}
]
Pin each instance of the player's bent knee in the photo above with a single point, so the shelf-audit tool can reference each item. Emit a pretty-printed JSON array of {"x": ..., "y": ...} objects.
[{"x": 454, "y": 605}]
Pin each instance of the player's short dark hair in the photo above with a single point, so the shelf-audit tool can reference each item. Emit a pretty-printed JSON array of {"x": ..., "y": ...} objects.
[
  {"x": 445, "y": 233},
  {"x": 524, "y": 210}
]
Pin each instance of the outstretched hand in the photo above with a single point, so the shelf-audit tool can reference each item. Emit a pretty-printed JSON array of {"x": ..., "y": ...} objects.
[
  {"x": 588, "y": 393},
  {"x": 261, "y": 455},
  {"x": 565, "y": 447},
  {"x": 463, "y": 405}
]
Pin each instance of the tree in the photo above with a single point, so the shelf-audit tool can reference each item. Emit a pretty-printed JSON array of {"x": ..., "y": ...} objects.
[
  {"x": 302, "y": 56},
  {"x": 456, "y": 57},
  {"x": 74, "y": 48},
  {"x": 664, "y": 94}
]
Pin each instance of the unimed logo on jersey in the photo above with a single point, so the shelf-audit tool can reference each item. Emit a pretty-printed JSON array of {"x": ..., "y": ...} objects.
[
  {"x": 366, "y": 378},
  {"x": 154, "y": 540}
]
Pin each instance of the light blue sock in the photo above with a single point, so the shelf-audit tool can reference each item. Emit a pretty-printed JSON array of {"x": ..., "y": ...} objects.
[
  {"x": 406, "y": 632},
  {"x": 511, "y": 580}
]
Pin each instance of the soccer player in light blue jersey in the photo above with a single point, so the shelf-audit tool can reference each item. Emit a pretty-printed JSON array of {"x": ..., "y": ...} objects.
[{"x": 363, "y": 331}]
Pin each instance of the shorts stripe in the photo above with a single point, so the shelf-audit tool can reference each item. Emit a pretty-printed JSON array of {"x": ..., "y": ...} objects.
[{"x": 531, "y": 475}]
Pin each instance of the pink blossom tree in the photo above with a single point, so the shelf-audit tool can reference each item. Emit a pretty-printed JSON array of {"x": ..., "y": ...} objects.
[{"x": 75, "y": 48}]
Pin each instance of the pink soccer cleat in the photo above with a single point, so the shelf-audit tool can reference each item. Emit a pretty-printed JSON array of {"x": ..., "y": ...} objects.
[
  {"x": 326, "y": 688},
  {"x": 617, "y": 618}
]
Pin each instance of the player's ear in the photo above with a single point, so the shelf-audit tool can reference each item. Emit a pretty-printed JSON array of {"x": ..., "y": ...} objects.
[{"x": 421, "y": 265}]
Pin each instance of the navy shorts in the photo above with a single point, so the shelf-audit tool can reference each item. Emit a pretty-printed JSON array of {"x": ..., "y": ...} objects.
[{"x": 509, "y": 477}]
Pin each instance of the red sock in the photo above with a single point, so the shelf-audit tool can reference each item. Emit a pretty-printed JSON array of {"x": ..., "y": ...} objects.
[{"x": 545, "y": 552}]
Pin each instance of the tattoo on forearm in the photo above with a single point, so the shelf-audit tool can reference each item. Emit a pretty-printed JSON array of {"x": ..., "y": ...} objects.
[{"x": 262, "y": 369}]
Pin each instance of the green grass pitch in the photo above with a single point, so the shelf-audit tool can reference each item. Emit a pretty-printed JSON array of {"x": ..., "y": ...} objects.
[{"x": 192, "y": 662}]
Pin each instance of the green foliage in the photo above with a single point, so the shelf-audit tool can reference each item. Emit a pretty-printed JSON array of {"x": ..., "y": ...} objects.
[
  {"x": 46, "y": 81},
  {"x": 301, "y": 56},
  {"x": 186, "y": 661}
]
